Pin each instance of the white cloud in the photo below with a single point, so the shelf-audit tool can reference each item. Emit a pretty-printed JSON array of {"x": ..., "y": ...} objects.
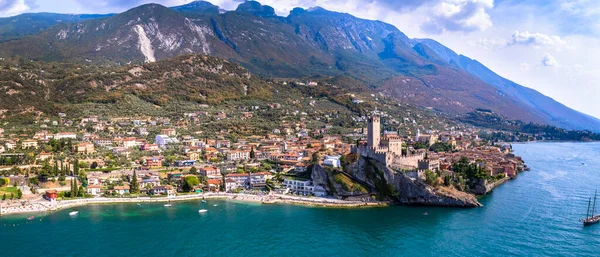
[
  {"x": 549, "y": 61},
  {"x": 14, "y": 7},
  {"x": 526, "y": 38},
  {"x": 459, "y": 15}
]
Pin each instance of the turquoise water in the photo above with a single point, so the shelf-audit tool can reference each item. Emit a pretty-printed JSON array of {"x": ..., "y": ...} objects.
[{"x": 534, "y": 215}]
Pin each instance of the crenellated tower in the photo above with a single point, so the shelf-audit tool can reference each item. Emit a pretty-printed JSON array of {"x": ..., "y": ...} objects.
[{"x": 374, "y": 132}]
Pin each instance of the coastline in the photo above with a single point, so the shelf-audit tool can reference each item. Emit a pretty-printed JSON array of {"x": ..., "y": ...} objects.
[{"x": 43, "y": 207}]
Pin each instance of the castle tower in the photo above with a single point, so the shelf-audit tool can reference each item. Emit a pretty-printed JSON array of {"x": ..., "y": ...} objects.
[{"x": 373, "y": 131}]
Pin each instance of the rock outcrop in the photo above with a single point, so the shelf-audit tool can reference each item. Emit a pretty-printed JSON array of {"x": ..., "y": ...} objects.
[{"x": 389, "y": 185}]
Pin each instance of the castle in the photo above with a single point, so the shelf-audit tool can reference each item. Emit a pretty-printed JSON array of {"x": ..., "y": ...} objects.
[{"x": 388, "y": 149}]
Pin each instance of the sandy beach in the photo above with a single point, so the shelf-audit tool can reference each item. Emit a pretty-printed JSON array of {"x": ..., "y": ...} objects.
[{"x": 46, "y": 206}]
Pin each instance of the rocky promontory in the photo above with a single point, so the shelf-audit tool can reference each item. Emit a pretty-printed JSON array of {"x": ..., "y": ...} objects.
[{"x": 368, "y": 178}]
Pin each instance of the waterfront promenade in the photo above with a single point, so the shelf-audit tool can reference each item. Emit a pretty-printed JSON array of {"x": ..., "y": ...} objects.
[{"x": 46, "y": 206}]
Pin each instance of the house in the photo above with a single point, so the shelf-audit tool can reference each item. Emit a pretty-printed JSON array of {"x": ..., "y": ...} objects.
[
  {"x": 153, "y": 162},
  {"x": 168, "y": 132},
  {"x": 164, "y": 190},
  {"x": 44, "y": 156},
  {"x": 332, "y": 161},
  {"x": 94, "y": 190},
  {"x": 241, "y": 180},
  {"x": 65, "y": 135},
  {"x": 230, "y": 185},
  {"x": 210, "y": 171},
  {"x": 29, "y": 144},
  {"x": 93, "y": 181},
  {"x": 51, "y": 195},
  {"x": 297, "y": 186},
  {"x": 238, "y": 155},
  {"x": 185, "y": 163},
  {"x": 10, "y": 145},
  {"x": 259, "y": 179},
  {"x": 193, "y": 155},
  {"x": 150, "y": 182},
  {"x": 103, "y": 142},
  {"x": 121, "y": 190},
  {"x": 150, "y": 147},
  {"x": 213, "y": 185},
  {"x": 85, "y": 147}
]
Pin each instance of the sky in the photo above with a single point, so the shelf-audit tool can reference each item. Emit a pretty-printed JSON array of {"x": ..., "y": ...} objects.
[{"x": 552, "y": 46}]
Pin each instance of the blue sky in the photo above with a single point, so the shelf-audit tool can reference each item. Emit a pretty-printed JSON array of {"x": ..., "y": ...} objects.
[{"x": 549, "y": 45}]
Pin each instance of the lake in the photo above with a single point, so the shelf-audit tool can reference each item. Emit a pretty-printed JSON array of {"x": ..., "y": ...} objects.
[{"x": 535, "y": 214}]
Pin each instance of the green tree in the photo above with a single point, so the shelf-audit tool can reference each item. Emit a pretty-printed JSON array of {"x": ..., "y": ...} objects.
[
  {"x": 76, "y": 167},
  {"x": 190, "y": 182},
  {"x": 4, "y": 197},
  {"x": 81, "y": 191},
  {"x": 134, "y": 187},
  {"x": 12, "y": 196},
  {"x": 194, "y": 171},
  {"x": 19, "y": 194},
  {"x": 252, "y": 153}
]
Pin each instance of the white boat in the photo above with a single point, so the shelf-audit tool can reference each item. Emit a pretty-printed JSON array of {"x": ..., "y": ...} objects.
[
  {"x": 215, "y": 205},
  {"x": 204, "y": 201},
  {"x": 73, "y": 213},
  {"x": 168, "y": 205},
  {"x": 202, "y": 211}
]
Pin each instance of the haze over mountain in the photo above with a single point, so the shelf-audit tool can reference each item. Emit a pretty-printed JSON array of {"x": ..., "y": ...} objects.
[{"x": 305, "y": 43}]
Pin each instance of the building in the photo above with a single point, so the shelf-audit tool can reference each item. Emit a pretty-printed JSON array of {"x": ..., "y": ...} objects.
[
  {"x": 333, "y": 161},
  {"x": 296, "y": 186},
  {"x": 29, "y": 144},
  {"x": 164, "y": 190},
  {"x": 164, "y": 140},
  {"x": 51, "y": 195},
  {"x": 153, "y": 162},
  {"x": 230, "y": 185},
  {"x": 213, "y": 185},
  {"x": 121, "y": 190},
  {"x": 85, "y": 147},
  {"x": 94, "y": 190},
  {"x": 210, "y": 171},
  {"x": 168, "y": 132},
  {"x": 65, "y": 135},
  {"x": 238, "y": 155}
]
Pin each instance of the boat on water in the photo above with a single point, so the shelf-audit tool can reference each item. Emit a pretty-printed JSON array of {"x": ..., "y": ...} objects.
[
  {"x": 425, "y": 213},
  {"x": 202, "y": 211},
  {"x": 30, "y": 218},
  {"x": 203, "y": 201},
  {"x": 215, "y": 205},
  {"x": 591, "y": 217},
  {"x": 73, "y": 213},
  {"x": 168, "y": 205}
]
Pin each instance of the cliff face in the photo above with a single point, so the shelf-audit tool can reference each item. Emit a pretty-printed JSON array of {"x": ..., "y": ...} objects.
[{"x": 389, "y": 185}]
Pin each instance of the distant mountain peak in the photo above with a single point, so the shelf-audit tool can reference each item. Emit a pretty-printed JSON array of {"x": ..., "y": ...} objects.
[
  {"x": 255, "y": 8},
  {"x": 198, "y": 7}
]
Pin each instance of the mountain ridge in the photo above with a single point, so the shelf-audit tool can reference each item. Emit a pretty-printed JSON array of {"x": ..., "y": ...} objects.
[{"x": 304, "y": 43}]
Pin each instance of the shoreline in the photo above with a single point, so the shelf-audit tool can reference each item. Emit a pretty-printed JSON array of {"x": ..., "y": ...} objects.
[{"x": 46, "y": 207}]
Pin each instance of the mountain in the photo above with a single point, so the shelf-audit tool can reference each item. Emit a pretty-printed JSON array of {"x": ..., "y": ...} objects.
[
  {"x": 33, "y": 23},
  {"x": 550, "y": 110},
  {"x": 308, "y": 42}
]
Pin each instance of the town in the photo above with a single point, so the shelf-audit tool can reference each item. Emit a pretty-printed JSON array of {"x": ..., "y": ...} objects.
[{"x": 97, "y": 157}]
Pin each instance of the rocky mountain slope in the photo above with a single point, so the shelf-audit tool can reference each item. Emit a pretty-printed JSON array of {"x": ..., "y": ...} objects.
[{"x": 305, "y": 43}]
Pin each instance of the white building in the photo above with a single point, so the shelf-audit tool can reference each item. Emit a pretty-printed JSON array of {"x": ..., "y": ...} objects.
[
  {"x": 65, "y": 135},
  {"x": 94, "y": 190},
  {"x": 303, "y": 187},
  {"x": 164, "y": 140},
  {"x": 332, "y": 161}
]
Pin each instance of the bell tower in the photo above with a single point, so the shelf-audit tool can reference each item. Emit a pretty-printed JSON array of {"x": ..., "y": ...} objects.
[{"x": 373, "y": 131}]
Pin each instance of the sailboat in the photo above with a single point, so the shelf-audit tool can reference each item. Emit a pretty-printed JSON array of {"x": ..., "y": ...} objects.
[{"x": 590, "y": 218}]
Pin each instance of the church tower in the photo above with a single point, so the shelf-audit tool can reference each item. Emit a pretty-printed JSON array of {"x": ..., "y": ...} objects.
[{"x": 373, "y": 131}]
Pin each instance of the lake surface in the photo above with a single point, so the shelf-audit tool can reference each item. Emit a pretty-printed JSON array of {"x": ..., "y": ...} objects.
[{"x": 534, "y": 215}]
